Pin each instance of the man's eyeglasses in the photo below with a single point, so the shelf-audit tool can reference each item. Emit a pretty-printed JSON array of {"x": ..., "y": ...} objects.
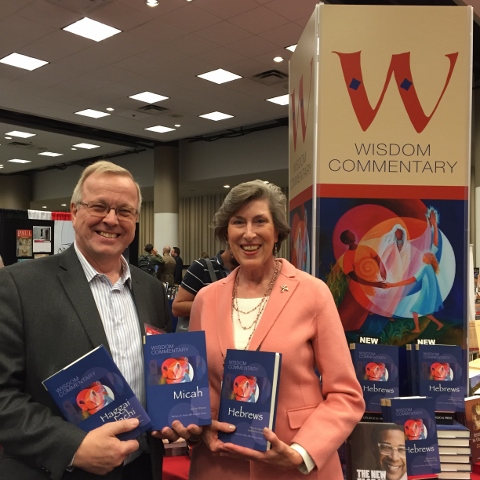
[
  {"x": 98, "y": 209},
  {"x": 387, "y": 449}
]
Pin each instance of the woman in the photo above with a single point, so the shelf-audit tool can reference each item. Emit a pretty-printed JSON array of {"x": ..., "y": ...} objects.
[{"x": 267, "y": 304}]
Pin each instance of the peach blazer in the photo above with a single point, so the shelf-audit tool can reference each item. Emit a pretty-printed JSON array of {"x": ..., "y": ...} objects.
[{"x": 300, "y": 321}]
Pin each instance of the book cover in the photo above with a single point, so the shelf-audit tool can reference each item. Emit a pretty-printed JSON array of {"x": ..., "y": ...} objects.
[
  {"x": 24, "y": 243},
  {"x": 376, "y": 450},
  {"x": 417, "y": 416},
  {"x": 176, "y": 379},
  {"x": 376, "y": 367},
  {"x": 92, "y": 391},
  {"x": 249, "y": 396},
  {"x": 472, "y": 418},
  {"x": 441, "y": 372}
]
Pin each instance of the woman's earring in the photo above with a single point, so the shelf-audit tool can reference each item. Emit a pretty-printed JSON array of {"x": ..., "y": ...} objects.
[{"x": 275, "y": 250}]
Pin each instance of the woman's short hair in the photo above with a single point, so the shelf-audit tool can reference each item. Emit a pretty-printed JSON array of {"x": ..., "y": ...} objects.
[
  {"x": 246, "y": 192},
  {"x": 108, "y": 168}
]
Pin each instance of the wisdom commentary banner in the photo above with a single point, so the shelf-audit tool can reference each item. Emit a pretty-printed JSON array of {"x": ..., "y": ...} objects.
[{"x": 391, "y": 166}]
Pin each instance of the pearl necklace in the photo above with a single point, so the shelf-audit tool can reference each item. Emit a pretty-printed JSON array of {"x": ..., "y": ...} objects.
[{"x": 260, "y": 307}]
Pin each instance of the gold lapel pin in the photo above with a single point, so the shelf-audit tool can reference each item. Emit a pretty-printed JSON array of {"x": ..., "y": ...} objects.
[{"x": 284, "y": 288}]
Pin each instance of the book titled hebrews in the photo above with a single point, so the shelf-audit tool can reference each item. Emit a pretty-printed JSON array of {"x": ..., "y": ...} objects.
[
  {"x": 376, "y": 367},
  {"x": 92, "y": 391},
  {"x": 249, "y": 396},
  {"x": 176, "y": 379},
  {"x": 417, "y": 416}
]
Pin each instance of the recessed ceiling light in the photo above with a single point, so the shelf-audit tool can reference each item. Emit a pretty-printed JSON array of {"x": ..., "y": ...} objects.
[
  {"x": 177, "y": 125},
  {"x": 23, "y": 61},
  {"x": 148, "y": 97},
  {"x": 278, "y": 59},
  {"x": 86, "y": 145},
  {"x": 1, "y": 166},
  {"x": 281, "y": 100},
  {"x": 291, "y": 48},
  {"x": 8, "y": 138},
  {"x": 219, "y": 76},
  {"x": 92, "y": 113},
  {"x": 18, "y": 160},
  {"x": 91, "y": 29},
  {"x": 216, "y": 116},
  {"x": 63, "y": 205},
  {"x": 109, "y": 109},
  {"x": 51, "y": 154},
  {"x": 151, "y": 3},
  {"x": 44, "y": 206},
  {"x": 16, "y": 133},
  {"x": 226, "y": 186},
  {"x": 160, "y": 129}
]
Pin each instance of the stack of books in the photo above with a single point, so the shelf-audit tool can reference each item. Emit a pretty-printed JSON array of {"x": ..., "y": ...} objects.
[{"x": 455, "y": 453}]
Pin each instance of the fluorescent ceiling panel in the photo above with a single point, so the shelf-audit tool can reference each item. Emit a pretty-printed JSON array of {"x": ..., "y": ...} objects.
[
  {"x": 216, "y": 116},
  {"x": 92, "y": 113},
  {"x": 91, "y": 29},
  {"x": 291, "y": 48},
  {"x": 18, "y": 160},
  {"x": 16, "y": 133},
  {"x": 219, "y": 76},
  {"x": 160, "y": 129},
  {"x": 23, "y": 61},
  {"x": 51, "y": 154},
  {"x": 148, "y": 97},
  {"x": 87, "y": 146},
  {"x": 281, "y": 100}
]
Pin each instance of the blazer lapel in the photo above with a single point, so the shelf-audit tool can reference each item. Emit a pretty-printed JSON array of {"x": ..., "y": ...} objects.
[
  {"x": 76, "y": 287},
  {"x": 282, "y": 291},
  {"x": 222, "y": 317}
]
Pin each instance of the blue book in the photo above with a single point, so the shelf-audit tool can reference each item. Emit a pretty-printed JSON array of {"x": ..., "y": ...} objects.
[
  {"x": 442, "y": 374},
  {"x": 176, "y": 379},
  {"x": 417, "y": 416},
  {"x": 248, "y": 398},
  {"x": 377, "y": 370},
  {"x": 92, "y": 391}
]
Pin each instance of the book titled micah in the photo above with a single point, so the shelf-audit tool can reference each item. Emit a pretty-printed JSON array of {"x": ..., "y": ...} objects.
[
  {"x": 249, "y": 395},
  {"x": 176, "y": 379},
  {"x": 376, "y": 367},
  {"x": 442, "y": 374},
  {"x": 92, "y": 391},
  {"x": 417, "y": 416}
]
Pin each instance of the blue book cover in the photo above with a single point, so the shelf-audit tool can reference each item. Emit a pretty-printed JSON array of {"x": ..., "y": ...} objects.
[
  {"x": 176, "y": 379},
  {"x": 249, "y": 396},
  {"x": 377, "y": 370},
  {"x": 417, "y": 416},
  {"x": 92, "y": 391},
  {"x": 442, "y": 375}
]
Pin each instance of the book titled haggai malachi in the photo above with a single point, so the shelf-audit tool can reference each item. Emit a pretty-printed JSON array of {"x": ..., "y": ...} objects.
[
  {"x": 249, "y": 396},
  {"x": 176, "y": 379},
  {"x": 92, "y": 391}
]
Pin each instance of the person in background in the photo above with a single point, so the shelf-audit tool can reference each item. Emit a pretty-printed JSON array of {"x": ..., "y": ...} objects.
[
  {"x": 151, "y": 261},
  {"x": 178, "y": 273},
  {"x": 204, "y": 255},
  {"x": 58, "y": 308},
  {"x": 266, "y": 304},
  {"x": 168, "y": 268},
  {"x": 198, "y": 276},
  {"x": 388, "y": 447}
]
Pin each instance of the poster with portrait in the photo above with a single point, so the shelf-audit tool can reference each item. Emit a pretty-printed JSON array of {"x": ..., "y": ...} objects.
[{"x": 24, "y": 243}]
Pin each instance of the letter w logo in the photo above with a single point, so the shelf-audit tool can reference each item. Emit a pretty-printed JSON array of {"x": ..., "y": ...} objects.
[
  {"x": 400, "y": 68},
  {"x": 301, "y": 106}
]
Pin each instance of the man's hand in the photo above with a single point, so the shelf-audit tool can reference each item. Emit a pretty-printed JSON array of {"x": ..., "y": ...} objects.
[{"x": 101, "y": 451}]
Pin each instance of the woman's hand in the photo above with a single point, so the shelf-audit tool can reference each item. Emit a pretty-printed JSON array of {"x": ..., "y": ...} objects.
[
  {"x": 280, "y": 454},
  {"x": 210, "y": 435}
]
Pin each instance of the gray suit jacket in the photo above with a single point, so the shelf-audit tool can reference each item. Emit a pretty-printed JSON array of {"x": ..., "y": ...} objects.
[{"x": 48, "y": 319}]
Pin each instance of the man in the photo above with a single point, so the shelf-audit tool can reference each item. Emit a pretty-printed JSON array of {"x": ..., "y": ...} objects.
[
  {"x": 388, "y": 447},
  {"x": 198, "y": 276},
  {"x": 151, "y": 262},
  {"x": 56, "y": 309},
  {"x": 178, "y": 273},
  {"x": 169, "y": 267}
]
